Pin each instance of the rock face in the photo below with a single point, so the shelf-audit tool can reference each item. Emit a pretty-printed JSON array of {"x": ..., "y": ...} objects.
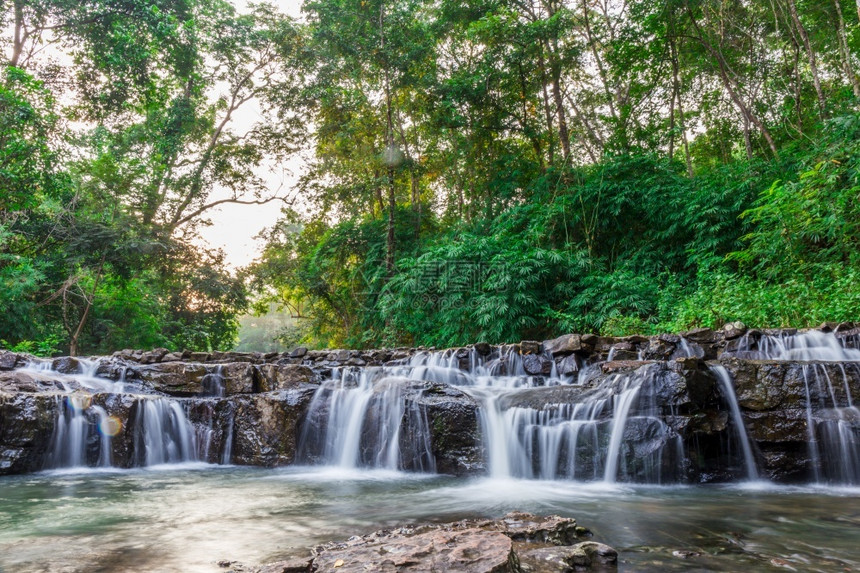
[
  {"x": 517, "y": 543},
  {"x": 252, "y": 408}
]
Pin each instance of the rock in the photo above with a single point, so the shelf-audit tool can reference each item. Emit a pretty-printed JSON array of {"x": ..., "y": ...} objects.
[
  {"x": 701, "y": 335},
  {"x": 266, "y": 426},
  {"x": 455, "y": 432},
  {"x": 568, "y": 365},
  {"x": 9, "y": 360},
  {"x": 172, "y": 378},
  {"x": 66, "y": 365},
  {"x": 26, "y": 427},
  {"x": 153, "y": 356},
  {"x": 483, "y": 348},
  {"x": 284, "y": 376},
  {"x": 530, "y": 347},
  {"x": 238, "y": 378},
  {"x": 734, "y": 330},
  {"x": 299, "y": 352},
  {"x": 584, "y": 556},
  {"x": 439, "y": 551},
  {"x": 172, "y": 357},
  {"x": 684, "y": 554},
  {"x": 294, "y": 565},
  {"x": 563, "y": 345},
  {"x": 531, "y": 528},
  {"x": 537, "y": 364}
]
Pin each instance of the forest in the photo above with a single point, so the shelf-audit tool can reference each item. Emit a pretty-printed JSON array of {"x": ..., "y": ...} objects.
[{"x": 473, "y": 170}]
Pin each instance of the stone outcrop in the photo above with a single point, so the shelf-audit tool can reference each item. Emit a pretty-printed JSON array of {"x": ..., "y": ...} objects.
[
  {"x": 517, "y": 543},
  {"x": 253, "y": 405}
]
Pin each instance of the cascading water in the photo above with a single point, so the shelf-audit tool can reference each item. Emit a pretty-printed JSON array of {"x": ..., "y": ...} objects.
[
  {"x": 802, "y": 346},
  {"x": 164, "y": 435},
  {"x": 833, "y": 426},
  {"x": 728, "y": 390},
  {"x": 368, "y": 418},
  {"x": 358, "y": 419},
  {"x": 832, "y": 420},
  {"x": 84, "y": 431}
]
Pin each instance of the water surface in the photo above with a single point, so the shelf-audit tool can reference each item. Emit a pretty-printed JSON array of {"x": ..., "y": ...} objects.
[{"x": 189, "y": 517}]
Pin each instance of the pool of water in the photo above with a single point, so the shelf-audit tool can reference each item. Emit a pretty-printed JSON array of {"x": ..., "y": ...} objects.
[{"x": 188, "y": 518}]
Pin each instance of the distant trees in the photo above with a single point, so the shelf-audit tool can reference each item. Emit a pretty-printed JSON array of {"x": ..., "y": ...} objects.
[{"x": 483, "y": 169}]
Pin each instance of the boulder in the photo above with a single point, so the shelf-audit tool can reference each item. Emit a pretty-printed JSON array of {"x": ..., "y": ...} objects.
[
  {"x": 266, "y": 426},
  {"x": 563, "y": 345},
  {"x": 439, "y": 551},
  {"x": 537, "y": 365},
  {"x": 530, "y": 347}
]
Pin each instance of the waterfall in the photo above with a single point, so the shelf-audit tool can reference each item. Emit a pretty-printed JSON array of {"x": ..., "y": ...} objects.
[
  {"x": 584, "y": 440},
  {"x": 833, "y": 427},
  {"x": 368, "y": 418},
  {"x": 71, "y": 433},
  {"x": 728, "y": 390},
  {"x": 213, "y": 383},
  {"x": 802, "y": 346},
  {"x": 163, "y": 434}
]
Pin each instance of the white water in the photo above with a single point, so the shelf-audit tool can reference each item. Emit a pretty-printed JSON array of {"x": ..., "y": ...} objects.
[
  {"x": 83, "y": 430},
  {"x": 803, "y": 346},
  {"x": 832, "y": 427},
  {"x": 728, "y": 389},
  {"x": 357, "y": 419}
]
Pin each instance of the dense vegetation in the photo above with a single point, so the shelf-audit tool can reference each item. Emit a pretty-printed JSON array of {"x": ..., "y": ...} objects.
[{"x": 491, "y": 169}]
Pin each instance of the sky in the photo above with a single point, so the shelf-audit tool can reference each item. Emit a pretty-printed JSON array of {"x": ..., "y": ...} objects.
[{"x": 234, "y": 226}]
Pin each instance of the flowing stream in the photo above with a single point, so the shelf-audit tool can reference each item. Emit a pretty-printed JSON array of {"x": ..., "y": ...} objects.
[
  {"x": 187, "y": 518},
  {"x": 594, "y": 445}
]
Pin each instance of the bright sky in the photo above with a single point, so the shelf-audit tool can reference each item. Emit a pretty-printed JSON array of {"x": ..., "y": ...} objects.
[{"x": 235, "y": 226}]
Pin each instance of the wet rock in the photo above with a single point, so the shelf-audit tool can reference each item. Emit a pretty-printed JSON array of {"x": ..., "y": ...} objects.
[
  {"x": 267, "y": 426},
  {"x": 66, "y": 365},
  {"x": 11, "y": 360},
  {"x": 299, "y": 352},
  {"x": 153, "y": 356},
  {"x": 568, "y": 365},
  {"x": 483, "y": 348},
  {"x": 585, "y": 556},
  {"x": 734, "y": 330},
  {"x": 537, "y": 365},
  {"x": 464, "y": 551},
  {"x": 530, "y": 347},
  {"x": 563, "y": 345},
  {"x": 455, "y": 433},
  {"x": 700, "y": 335},
  {"x": 238, "y": 378},
  {"x": 284, "y": 376},
  {"x": 29, "y": 382},
  {"x": 26, "y": 427},
  {"x": 294, "y": 565},
  {"x": 530, "y": 528},
  {"x": 172, "y": 378}
]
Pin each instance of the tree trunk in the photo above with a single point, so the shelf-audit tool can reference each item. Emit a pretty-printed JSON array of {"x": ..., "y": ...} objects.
[
  {"x": 75, "y": 338},
  {"x": 846, "y": 53},
  {"x": 389, "y": 140},
  {"x": 813, "y": 64},
  {"x": 546, "y": 106},
  {"x": 555, "y": 76},
  {"x": 20, "y": 36}
]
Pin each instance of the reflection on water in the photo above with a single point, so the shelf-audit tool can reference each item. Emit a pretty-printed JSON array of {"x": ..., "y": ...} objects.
[{"x": 189, "y": 517}]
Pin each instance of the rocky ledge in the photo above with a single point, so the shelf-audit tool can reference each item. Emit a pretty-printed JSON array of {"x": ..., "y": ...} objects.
[{"x": 517, "y": 543}]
